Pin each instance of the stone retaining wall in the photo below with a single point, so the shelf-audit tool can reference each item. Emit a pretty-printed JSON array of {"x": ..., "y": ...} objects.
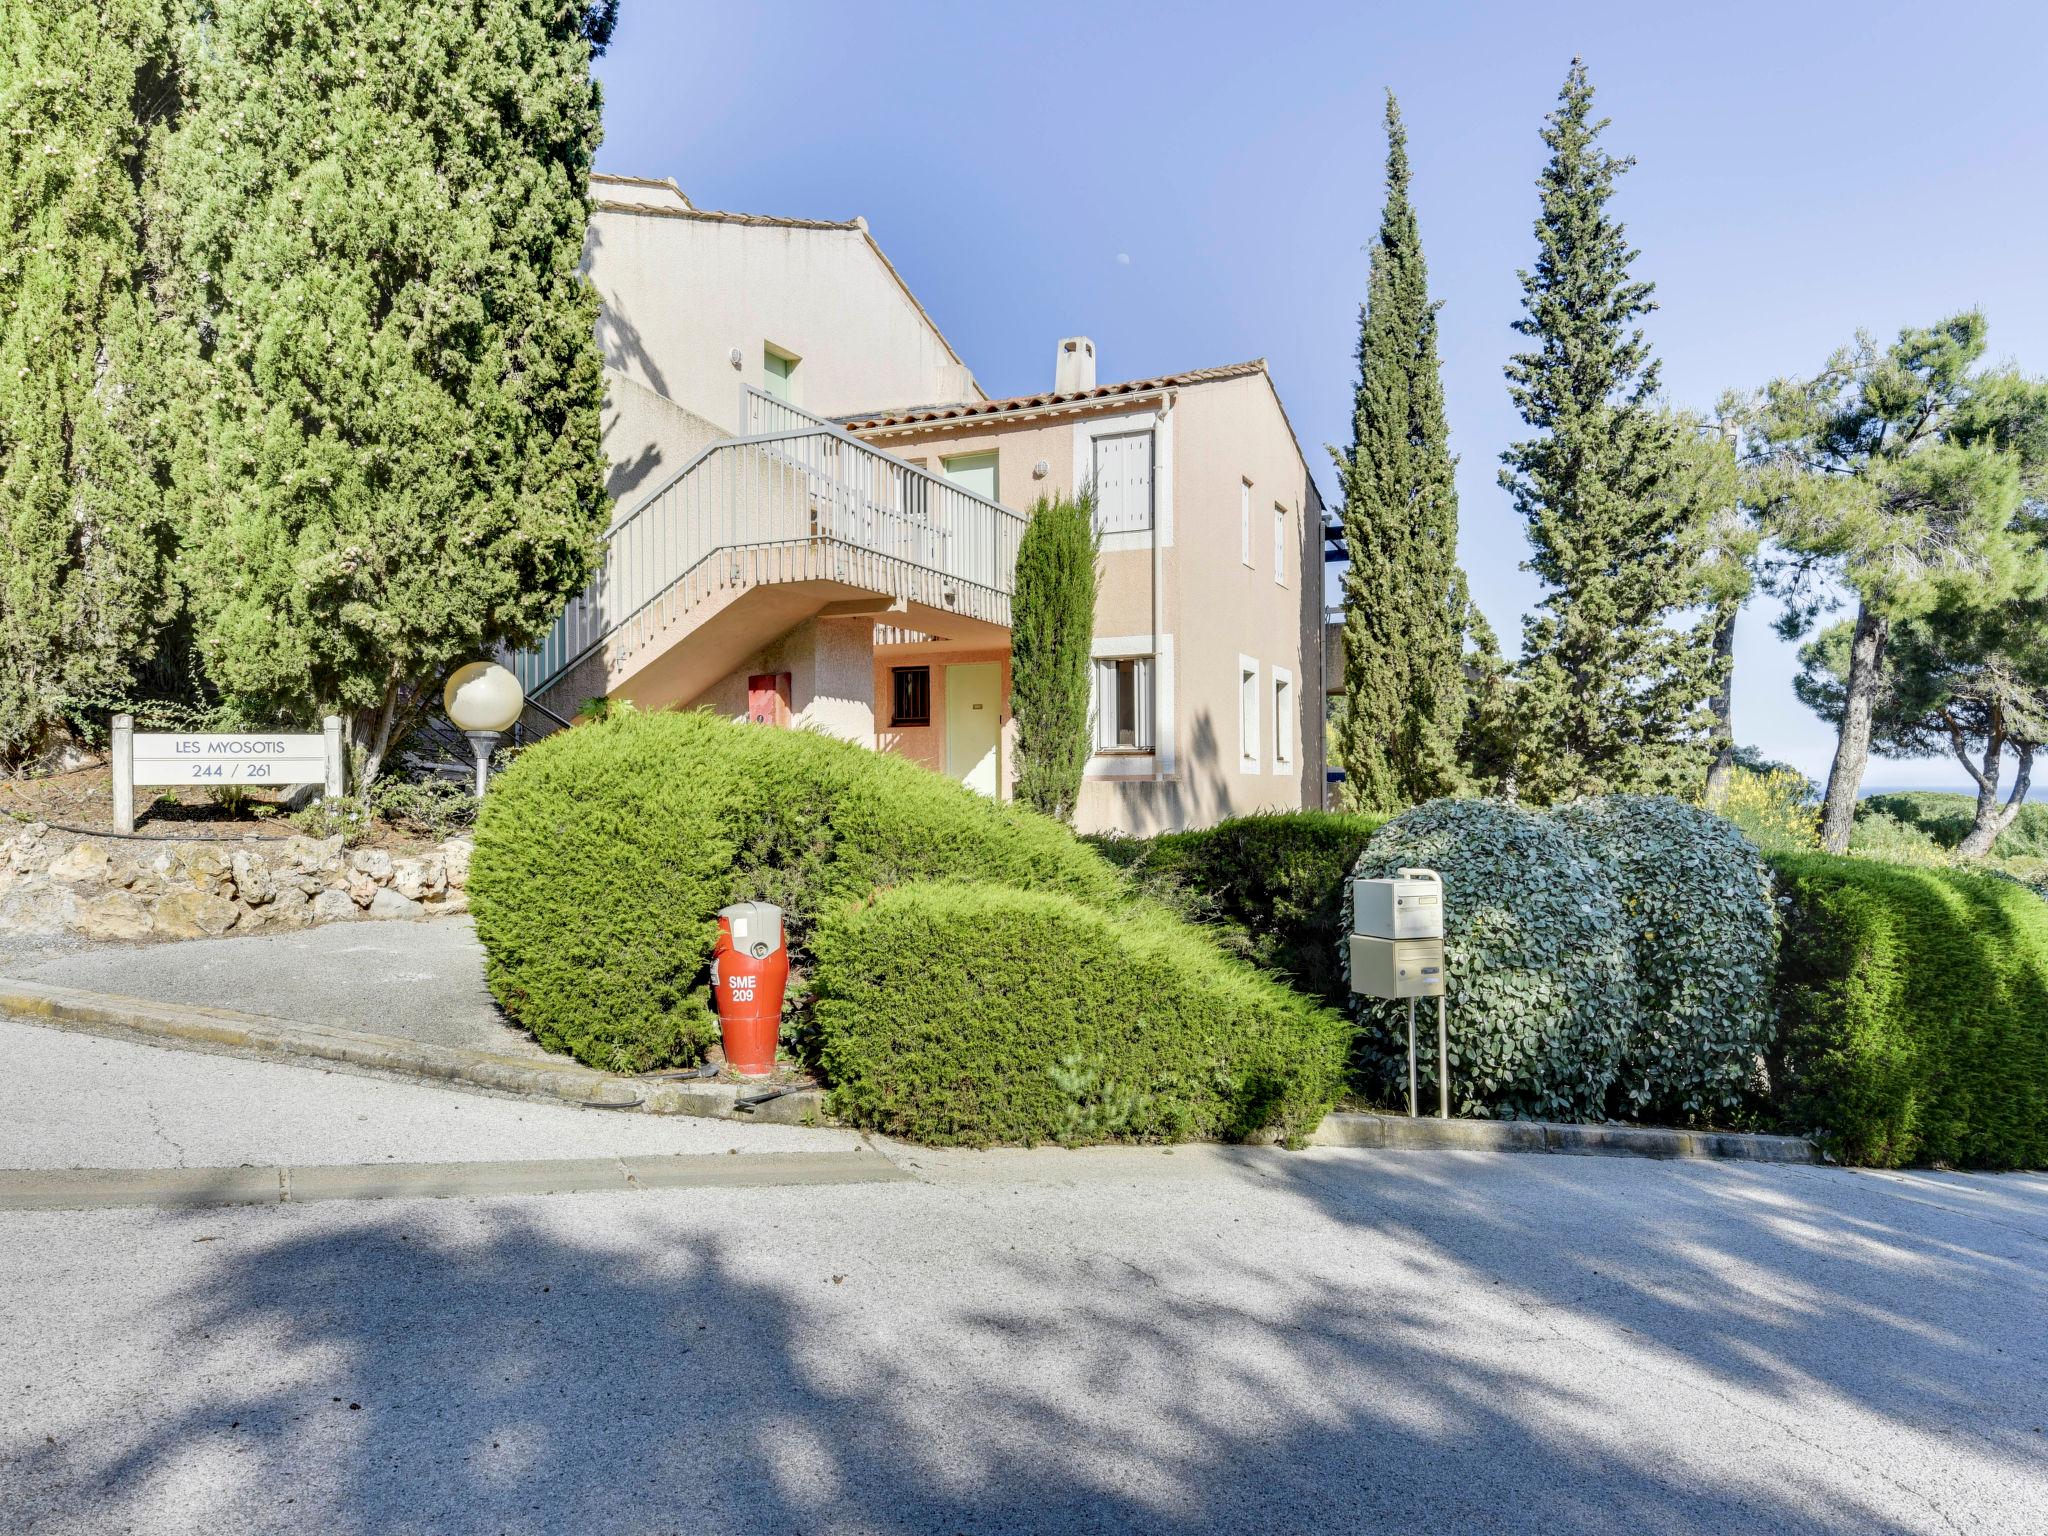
[{"x": 130, "y": 889}]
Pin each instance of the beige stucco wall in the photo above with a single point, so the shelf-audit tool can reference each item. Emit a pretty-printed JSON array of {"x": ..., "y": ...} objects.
[
  {"x": 831, "y": 682},
  {"x": 646, "y": 438},
  {"x": 926, "y": 745},
  {"x": 1214, "y": 608},
  {"x": 680, "y": 293}
]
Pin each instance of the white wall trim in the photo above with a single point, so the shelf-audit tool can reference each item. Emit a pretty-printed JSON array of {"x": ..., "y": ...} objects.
[
  {"x": 1161, "y": 428},
  {"x": 1249, "y": 762},
  {"x": 1159, "y": 762},
  {"x": 1283, "y": 729}
]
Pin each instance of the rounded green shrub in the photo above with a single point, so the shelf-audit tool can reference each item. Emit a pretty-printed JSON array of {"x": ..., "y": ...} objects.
[
  {"x": 1702, "y": 931},
  {"x": 973, "y": 1014},
  {"x": 1537, "y": 968},
  {"x": 604, "y": 853}
]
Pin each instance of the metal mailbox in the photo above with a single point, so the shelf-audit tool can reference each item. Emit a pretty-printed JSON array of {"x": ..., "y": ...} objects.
[
  {"x": 1397, "y": 950},
  {"x": 1397, "y": 967},
  {"x": 1410, "y": 906}
]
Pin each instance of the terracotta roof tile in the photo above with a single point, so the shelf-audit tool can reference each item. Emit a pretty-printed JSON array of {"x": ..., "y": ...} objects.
[{"x": 924, "y": 415}]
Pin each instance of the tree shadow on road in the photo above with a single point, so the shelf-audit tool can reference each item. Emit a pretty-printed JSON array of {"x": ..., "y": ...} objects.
[{"x": 630, "y": 1364}]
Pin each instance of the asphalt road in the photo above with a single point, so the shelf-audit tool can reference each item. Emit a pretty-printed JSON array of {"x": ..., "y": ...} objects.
[{"x": 1199, "y": 1340}]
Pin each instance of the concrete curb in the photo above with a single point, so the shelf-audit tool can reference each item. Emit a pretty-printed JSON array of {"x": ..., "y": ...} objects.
[
  {"x": 254, "y": 1036},
  {"x": 1399, "y": 1133},
  {"x": 87, "y": 1189}
]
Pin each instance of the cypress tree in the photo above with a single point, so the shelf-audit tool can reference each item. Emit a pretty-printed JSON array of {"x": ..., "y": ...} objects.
[
  {"x": 1052, "y": 636},
  {"x": 390, "y": 459},
  {"x": 1404, "y": 599},
  {"x": 1613, "y": 695},
  {"x": 83, "y": 587}
]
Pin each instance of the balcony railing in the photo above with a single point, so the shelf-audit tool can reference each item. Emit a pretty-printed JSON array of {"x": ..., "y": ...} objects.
[{"x": 797, "y": 498}]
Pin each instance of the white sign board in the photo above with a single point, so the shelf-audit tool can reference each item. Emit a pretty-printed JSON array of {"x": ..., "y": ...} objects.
[
  {"x": 166, "y": 758},
  {"x": 210, "y": 758}
]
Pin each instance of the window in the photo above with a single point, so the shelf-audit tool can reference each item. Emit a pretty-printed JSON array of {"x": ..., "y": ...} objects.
[
  {"x": 778, "y": 375},
  {"x": 1248, "y": 713},
  {"x": 911, "y": 702},
  {"x": 1123, "y": 483},
  {"x": 974, "y": 472},
  {"x": 1123, "y": 704},
  {"x": 1280, "y": 545},
  {"x": 1283, "y": 721},
  {"x": 1244, "y": 518}
]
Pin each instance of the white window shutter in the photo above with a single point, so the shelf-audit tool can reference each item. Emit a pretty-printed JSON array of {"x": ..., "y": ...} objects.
[
  {"x": 1104, "y": 711},
  {"x": 1141, "y": 733}
]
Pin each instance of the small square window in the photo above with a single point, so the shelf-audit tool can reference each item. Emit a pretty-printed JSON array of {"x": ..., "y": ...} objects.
[
  {"x": 1123, "y": 704},
  {"x": 911, "y": 690}
]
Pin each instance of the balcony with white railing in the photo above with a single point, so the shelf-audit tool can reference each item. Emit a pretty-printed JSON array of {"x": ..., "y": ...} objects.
[{"x": 796, "y": 499}]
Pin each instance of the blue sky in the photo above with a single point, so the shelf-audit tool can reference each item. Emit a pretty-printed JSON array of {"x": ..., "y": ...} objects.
[{"x": 1192, "y": 184}]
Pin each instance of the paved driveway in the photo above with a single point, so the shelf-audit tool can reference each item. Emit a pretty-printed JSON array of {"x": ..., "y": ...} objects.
[{"x": 1126, "y": 1340}]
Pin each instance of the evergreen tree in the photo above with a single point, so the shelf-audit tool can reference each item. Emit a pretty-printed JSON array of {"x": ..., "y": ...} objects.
[
  {"x": 83, "y": 589},
  {"x": 1052, "y": 636},
  {"x": 1486, "y": 745},
  {"x": 1613, "y": 692},
  {"x": 1404, "y": 601},
  {"x": 389, "y": 457},
  {"x": 1913, "y": 479}
]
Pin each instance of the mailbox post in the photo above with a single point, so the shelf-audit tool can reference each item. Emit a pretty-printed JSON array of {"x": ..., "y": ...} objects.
[{"x": 1397, "y": 950}]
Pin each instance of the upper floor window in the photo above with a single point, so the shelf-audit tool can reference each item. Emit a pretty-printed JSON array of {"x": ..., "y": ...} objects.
[
  {"x": 1123, "y": 482},
  {"x": 974, "y": 472},
  {"x": 778, "y": 375}
]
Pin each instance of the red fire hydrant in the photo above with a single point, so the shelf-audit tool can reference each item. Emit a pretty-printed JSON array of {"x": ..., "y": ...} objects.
[{"x": 749, "y": 972}]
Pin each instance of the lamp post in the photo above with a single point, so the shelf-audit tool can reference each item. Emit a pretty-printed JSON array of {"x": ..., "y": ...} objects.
[{"x": 483, "y": 699}]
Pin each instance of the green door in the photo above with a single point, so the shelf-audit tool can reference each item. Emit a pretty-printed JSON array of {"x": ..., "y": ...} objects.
[{"x": 974, "y": 723}]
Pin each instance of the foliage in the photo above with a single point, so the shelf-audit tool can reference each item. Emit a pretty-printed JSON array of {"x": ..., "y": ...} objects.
[
  {"x": 85, "y": 586},
  {"x": 1052, "y": 633},
  {"x": 1272, "y": 886},
  {"x": 1537, "y": 962},
  {"x": 1945, "y": 819},
  {"x": 346, "y": 816},
  {"x": 1404, "y": 596},
  {"x": 1911, "y": 477},
  {"x": 1973, "y": 684},
  {"x": 1696, "y": 906},
  {"x": 1612, "y": 693},
  {"x": 437, "y": 806},
  {"x": 369, "y": 218},
  {"x": 1774, "y": 807},
  {"x": 942, "y": 1020},
  {"x": 1914, "y": 1008},
  {"x": 604, "y": 853}
]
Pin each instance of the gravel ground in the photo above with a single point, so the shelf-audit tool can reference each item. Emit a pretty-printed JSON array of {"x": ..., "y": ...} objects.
[
  {"x": 1115, "y": 1341},
  {"x": 416, "y": 980},
  {"x": 76, "y": 1101}
]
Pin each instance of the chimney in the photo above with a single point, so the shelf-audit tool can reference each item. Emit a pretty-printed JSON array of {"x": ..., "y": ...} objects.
[{"x": 1074, "y": 370}]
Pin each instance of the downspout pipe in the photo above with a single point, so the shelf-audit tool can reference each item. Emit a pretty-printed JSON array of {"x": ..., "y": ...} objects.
[{"x": 1158, "y": 595}]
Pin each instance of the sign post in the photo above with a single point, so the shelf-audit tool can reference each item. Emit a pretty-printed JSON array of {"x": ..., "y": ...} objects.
[{"x": 215, "y": 758}]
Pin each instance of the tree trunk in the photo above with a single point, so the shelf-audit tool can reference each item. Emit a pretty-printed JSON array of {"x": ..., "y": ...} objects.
[
  {"x": 1723, "y": 706},
  {"x": 1852, "y": 744},
  {"x": 1992, "y": 818}
]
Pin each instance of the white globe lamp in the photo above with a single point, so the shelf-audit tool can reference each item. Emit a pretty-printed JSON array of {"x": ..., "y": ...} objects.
[{"x": 483, "y": 699}]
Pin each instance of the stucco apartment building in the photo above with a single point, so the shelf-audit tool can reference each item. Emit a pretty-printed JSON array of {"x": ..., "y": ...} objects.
[{"x": 818, "y": 509}]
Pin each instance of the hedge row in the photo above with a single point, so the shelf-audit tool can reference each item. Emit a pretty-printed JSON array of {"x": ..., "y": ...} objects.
[
  {"x": 978, "y": 1014},
  {"x": 1913, "y": 1014}
]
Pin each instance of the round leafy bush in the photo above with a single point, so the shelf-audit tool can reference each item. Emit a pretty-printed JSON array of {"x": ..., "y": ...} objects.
[
  {"x": 604, "y": 853},
  {"x": 1698, "y": 917},
  {"x": 974, "y": 1014},
  {"x": 1537, "y": 970}
]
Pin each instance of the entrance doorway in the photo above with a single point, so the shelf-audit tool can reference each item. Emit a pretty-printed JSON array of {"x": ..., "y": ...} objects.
[{"x": 974, "y": 723}]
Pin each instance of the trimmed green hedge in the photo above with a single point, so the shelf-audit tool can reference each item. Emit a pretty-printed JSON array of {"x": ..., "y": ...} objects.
[
  {"x": 958, "y": 1014},
  {"x": 1913, "y": 1011},
  {"x": 1272, "y": 883},
  {"x": 604, "y": 853}
]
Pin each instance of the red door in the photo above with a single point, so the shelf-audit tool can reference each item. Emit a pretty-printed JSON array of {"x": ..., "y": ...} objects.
[{"x": 768, "y": 698}]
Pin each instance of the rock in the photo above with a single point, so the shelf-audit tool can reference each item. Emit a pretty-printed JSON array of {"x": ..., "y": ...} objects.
[
  {"x": 374, "y": 862},
  {"x": 116, "y": 915},
  {"x": 361, "y": 887},
  {"x": 82, "y": 864},
  {"x": 313, "y": 855},
  {"x": 27, "y": 853},
  {"x": 455, "y": 855},
  {"x": 203, "y": 866},
  {"x": 451, "y": 904},
  {"x": 388, "y": 903},
  {"x": 254, "y": 883},
  {"x": 409, "y": 878},
  {"x": 39, "y": 908},
  {"x": 195, "y": 915},
  {"x": 332, "y": 905}
]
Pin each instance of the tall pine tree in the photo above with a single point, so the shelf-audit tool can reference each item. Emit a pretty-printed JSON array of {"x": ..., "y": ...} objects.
[
  {"x": 1404, "y": 598},
  {"x": 389, "y": 456},
  {"x": 83, "y": 587},
  {"x": 1613, "y": 692}
]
